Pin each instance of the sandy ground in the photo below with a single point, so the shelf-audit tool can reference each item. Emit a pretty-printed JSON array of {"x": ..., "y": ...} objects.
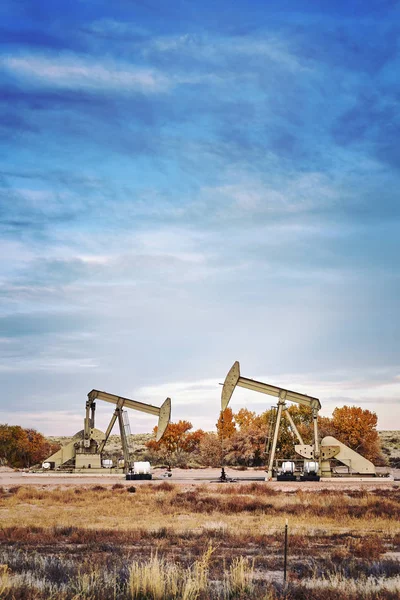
[{"x": 189, "y": 476}]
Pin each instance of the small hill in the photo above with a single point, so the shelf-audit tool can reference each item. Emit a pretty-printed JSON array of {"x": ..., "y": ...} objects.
[
  {"x": 390, "y": 442},
  {"x": 113, "y": 448}
]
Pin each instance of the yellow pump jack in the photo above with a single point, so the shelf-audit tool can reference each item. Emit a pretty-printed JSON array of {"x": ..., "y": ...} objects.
[
  {"x": 321, "y": 452},
  {"x": 86, "y": 450}
]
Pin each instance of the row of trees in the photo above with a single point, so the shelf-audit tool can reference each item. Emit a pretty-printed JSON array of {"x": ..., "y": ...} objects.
[
  {"x": 241, "y": 437},
  {"x": 21, "y": 448}
]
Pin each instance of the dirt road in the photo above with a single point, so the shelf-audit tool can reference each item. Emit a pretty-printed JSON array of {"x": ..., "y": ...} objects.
[{"x": 184, "y": 476}]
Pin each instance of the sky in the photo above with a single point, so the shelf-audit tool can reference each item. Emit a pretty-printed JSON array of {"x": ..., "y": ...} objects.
[{"x": 186, "y": 184}]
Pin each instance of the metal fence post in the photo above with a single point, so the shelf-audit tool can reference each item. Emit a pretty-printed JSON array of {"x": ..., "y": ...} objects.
[{"x": 285, "y": 552}]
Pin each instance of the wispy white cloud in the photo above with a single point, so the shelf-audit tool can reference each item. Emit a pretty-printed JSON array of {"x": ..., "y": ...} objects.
[
  {"x": 109, "y": 28},
  {"x": 251, "y": 195},
  {"x": 46, "y": 363},
  {"x": 75, "y": 72},
  {"x": 210, "y": 47},
  {"x": 215, "y": 48}
]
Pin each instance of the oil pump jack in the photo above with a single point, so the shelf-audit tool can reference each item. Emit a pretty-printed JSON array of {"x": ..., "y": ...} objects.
[
  {"x": 85, "y": 451},
  {"x": 319, "y": 452}
]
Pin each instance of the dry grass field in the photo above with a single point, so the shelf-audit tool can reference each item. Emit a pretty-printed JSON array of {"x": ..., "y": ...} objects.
[{"x": 165, "y": 541}]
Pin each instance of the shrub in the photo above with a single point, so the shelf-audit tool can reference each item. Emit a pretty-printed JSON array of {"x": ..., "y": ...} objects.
[
  {"x": 117, "y": 486},
  {"x": 165, "y": 486}
]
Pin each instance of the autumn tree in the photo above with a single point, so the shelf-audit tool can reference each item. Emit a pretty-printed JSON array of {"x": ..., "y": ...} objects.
[
  {"x": 193, "y": 440},
  {"x": 23, "y": 447},
  {"x": 210, "y": 450},
  {"x": 326, "y": 427},
  {"x": 226, "y": 425},
  {"x": 353, "y": 426},
  {"x": 245, "y": 419},
  {"x": 177, "y": 442},
  {"x": 246, "y": 445},
  {"x": 356, "y": 427},
  {"x": 244, "y": 434}
]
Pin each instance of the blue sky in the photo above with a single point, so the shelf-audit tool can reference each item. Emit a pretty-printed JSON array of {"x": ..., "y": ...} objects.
[{"x": 183, "y": 185}]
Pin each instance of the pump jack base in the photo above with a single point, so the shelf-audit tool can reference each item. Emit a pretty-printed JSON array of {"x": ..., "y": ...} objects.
[
  {"x": 286, "y": 478},
  {"x": 310, "y": 478},
  {"x": 137, "y": 476},
  {"x": 223, "y": 478}
]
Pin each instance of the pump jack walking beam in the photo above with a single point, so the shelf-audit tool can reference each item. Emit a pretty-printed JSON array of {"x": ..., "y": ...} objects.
[
  {"x": 163, "y": 412},
  {"x": 234, "y": 379}
]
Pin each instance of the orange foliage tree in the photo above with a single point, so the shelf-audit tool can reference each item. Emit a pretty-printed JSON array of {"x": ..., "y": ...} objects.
[
  {"x": 245, "y": 419},
  {"x": 176, "y": 442},
  {"x": 245, "y": 446},
  {"x": 210, "y": 450},
  {"x": 23, "y": 447},
  {"x": 326, "y": 427},
  {"x": 241, "y": 437},
  {"x": 356, "y": 427},
  {"x": 226, "y": 425},
  {"x": 353, "y": 426}
]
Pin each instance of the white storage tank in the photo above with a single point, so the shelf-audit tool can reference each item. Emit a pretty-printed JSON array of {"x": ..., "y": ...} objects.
[
  {"x": 141, "y": 468},
  {"x": 288, "y": 467},
  {"x": 107, "y": 463},
  {"x": 311, "y": 467},
  {"x": 46, "y": 465}
]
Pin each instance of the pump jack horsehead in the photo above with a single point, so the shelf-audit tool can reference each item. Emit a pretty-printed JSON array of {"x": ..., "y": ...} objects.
[{"x": 322, "y": 452}]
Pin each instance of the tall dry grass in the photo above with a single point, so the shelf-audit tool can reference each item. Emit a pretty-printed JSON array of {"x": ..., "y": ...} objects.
[
  {"x": 155, "y": 579},
  {"x": 238, "y": 580},
  {"x": 159, "y": 579},
  {"x": 365, "y": 588},
  {"x": 4, "y": 579}
]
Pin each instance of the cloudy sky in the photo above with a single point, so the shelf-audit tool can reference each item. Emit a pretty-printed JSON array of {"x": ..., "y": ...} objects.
[{"x": 188, "y": 184}]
